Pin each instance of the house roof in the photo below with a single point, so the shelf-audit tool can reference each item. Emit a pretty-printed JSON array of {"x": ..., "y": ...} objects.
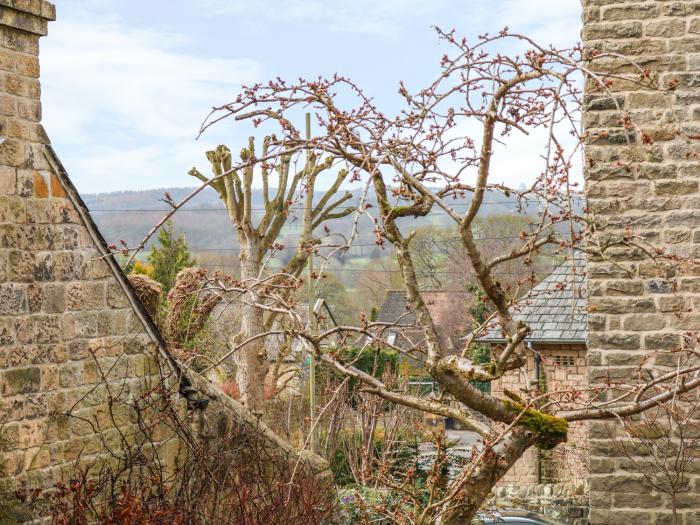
[
  {"x": 395, "y": 306},
  {"x": 555, "y": 309},
  {"x": 446, "y": 307}
]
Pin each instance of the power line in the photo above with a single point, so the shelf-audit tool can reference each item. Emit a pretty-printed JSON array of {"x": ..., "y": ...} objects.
[
  {"x": 444, "y": 242},
  {"x": 151, "y": 210},
  {"x": 353, "y": 270},
  {"x": 372, "y": 245}
]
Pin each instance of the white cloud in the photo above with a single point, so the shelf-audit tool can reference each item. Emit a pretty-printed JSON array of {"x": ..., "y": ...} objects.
[
  {"x": 371, "y": 17},
  {"x": 517, "y": 158},
  {"x": 556, "y": 22},
  {"x": 123, "y": 104}
]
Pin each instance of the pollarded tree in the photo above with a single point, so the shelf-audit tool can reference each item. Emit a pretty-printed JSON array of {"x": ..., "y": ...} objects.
[{"x": 283, "y": 186}]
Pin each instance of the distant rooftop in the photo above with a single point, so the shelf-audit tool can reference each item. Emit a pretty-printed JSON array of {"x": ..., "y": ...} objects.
[
  {"x": 555, "y": 309},
  {"x": 448, "y": 309}
]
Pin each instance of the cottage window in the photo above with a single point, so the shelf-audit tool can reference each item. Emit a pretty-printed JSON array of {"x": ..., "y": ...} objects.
[{"x": 564, "y": 360}]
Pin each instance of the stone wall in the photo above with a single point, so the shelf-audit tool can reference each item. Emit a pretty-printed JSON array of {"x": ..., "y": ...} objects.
[
  {"x": 64, "y": 319},
  {"x": 567, "y": 503},
  {"x": 74, "y": 336},
  {"x": 649, "y": 188},
  {"x": 563, "y": 366}
]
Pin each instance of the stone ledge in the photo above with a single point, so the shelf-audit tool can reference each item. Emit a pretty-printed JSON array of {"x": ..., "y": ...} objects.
[
  {"x": 31, "y": 16},
  {"x": 41, "y": 8},
  {"x": 566, "y": 503}
]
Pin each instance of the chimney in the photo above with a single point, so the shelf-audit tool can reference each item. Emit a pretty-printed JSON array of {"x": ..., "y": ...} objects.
[{"x": 22, "y": 23}]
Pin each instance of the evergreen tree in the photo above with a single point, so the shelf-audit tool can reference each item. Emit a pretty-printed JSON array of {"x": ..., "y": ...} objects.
[{"x": 168, "y": 256}]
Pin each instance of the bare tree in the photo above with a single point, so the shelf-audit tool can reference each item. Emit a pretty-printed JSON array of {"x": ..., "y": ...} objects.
[
  {"x": 438, "y": 254},
  {"x": 431, "y": 248},
  {"x": 375, "y": 279},
  {"x": 663, "y": 445},
  {"x": 441, "y": 146},
  {"x": 258, "y": 241}
]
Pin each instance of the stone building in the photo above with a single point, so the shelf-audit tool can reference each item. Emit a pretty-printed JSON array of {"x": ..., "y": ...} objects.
[
  {"x": 639, "y": 308},
  {"x": 556, "y": 312},
  {"x": 447, "y": 308},
  {"x": 71, "y": 325}
]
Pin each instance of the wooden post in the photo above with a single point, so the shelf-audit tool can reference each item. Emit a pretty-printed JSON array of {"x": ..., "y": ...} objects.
[{"x": 312, "y": 358}]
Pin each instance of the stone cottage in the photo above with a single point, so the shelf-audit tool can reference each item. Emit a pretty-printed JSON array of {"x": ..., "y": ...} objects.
[
  {"x": 71, "y": 324},
  {"x": 556, "y": 312}
]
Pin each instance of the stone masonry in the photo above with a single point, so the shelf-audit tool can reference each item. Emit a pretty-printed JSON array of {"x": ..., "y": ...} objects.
[
  {"x": 70, "y": 322},
  {"x": 648, "y": 188},
  {"x": 566, "y": 503},
  {"x": 65, "y": 308},
  {"x": 563, "y": 366},
  {"x": 63, "y": 315},
  {"x": 556, "y": 312}
]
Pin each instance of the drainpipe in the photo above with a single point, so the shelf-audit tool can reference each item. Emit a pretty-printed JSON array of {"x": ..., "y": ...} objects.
[{"x": 538, "y": 386}]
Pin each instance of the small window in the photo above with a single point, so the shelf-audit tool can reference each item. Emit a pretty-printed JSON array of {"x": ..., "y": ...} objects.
[
  {"x": 564, "y": 360},
  {"x": 391, "y": 338}
]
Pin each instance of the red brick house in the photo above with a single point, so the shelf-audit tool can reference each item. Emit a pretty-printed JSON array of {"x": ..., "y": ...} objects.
[{"x": 447, "y": 308}]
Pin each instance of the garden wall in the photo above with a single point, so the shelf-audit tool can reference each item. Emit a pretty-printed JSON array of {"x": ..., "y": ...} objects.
[{"x": 78, "y": 351}]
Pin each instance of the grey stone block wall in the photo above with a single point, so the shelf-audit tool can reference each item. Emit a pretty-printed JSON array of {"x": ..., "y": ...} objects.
[
  {"x": 566, "y": 503},
  {"x": 648, "y": 189}
]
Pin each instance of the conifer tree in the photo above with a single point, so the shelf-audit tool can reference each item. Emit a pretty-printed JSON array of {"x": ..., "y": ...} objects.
[{"x": 168, "y": 256}]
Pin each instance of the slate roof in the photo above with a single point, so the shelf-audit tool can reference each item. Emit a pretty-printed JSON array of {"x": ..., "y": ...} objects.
[
  {"x": 445, "y": 306},
  {"x": 393, "y": 307},
  {"x": 555, "y": 309}
]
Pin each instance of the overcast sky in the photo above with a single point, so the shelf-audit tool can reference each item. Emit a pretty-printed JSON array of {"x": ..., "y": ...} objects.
[{"x": 126, "y": 84}]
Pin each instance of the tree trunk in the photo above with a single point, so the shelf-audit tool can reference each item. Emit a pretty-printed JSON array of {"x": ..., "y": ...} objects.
[
  {"x": 251, "y": 360},
  {"x": 479, "y": 484}
]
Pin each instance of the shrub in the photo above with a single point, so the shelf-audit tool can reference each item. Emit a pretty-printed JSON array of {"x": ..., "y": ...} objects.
[{"x": 400, "y": 453}]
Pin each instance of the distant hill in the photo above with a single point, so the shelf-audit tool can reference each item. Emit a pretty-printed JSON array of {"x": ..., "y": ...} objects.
[{"x": 128, "y": 215}]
